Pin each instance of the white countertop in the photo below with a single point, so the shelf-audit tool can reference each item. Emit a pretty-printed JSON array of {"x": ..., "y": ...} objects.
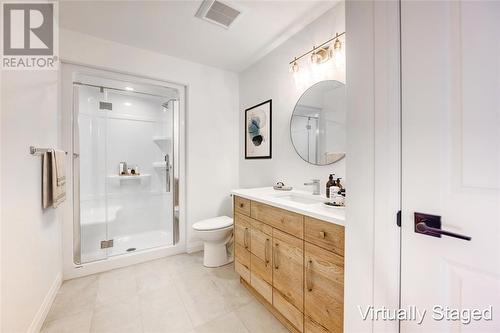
[{"x": 316, "y": 208}]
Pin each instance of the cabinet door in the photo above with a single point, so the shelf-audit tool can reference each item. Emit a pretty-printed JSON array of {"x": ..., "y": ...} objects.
[
  {"x": 288, "y": 269},
  {"x": 324, "y": 290},
  {"x": 261, "y": 260},
  {"x": 242, "y": 245}
]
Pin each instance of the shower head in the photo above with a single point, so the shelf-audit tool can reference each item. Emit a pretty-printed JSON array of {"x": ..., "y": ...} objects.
[{"x": 165, "y": 105}]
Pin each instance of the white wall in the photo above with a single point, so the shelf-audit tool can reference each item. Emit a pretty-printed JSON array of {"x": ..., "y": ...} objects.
[
  {"x": 372, "y": 236},
  {"x": 212, "y": 98},
  {"x": 269, "y": 78},
  {"x": 31, "y": 238}
]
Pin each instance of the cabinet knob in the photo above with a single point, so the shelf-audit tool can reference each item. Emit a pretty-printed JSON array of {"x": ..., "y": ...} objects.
[
  {"x": 241, "y": 205},
  {"x": 322, "y": 234}
]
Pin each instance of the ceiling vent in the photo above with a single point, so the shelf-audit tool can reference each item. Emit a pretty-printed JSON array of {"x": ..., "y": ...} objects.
[{"x": 217, "y": 12}]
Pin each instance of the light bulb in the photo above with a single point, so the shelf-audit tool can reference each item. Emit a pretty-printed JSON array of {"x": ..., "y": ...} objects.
[
  {"x": 294, "y": 68},
  {"x": 314, "y": 58},
  {"x": 337, "y": 45}
]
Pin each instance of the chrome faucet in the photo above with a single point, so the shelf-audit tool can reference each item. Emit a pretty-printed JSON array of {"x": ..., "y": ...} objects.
[{"x": 315, "y": 184}]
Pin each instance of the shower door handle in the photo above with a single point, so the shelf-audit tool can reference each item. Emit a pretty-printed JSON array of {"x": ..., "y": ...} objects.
[{"x": 167, "y": 173}]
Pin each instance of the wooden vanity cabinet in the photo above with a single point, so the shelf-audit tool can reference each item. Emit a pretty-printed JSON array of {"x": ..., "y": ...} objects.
[{"x": 293, "y": 263}]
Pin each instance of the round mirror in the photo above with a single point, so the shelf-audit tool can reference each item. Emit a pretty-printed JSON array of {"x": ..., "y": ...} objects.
[{"x": 317, "y": 127}]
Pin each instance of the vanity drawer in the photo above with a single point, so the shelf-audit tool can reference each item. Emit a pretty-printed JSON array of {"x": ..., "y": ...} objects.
[
  {"x": 329, "y": 236},
  {"x": 242, "y": 205},
  {"x": 281, "y": 219}
]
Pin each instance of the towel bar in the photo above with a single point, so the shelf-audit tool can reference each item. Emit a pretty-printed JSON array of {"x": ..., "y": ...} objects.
[{"x": 40, "y": 151}]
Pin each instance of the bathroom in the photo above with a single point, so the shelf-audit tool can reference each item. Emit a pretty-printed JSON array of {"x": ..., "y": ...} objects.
[{"x": 249, "y": 166}]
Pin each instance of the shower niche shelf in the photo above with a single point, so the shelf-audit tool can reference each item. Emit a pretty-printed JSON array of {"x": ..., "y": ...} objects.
[
  {"x": 120, "y": 179},
  {"x": 159, "y": 165},
  {"x": 161, "y": 139},
  {"x": 163, "y": 142}
]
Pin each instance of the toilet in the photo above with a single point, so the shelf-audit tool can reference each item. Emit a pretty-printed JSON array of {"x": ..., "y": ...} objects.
[{"x": 217, "y": 235}]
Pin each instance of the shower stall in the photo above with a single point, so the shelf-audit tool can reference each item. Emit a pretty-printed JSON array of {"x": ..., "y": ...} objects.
[{"x": 125, "y": 139}]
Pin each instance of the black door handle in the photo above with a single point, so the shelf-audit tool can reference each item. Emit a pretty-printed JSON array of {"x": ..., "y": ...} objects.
[
  {"x": 422, "y": 228},
  {"x": 430, "y": 225}
]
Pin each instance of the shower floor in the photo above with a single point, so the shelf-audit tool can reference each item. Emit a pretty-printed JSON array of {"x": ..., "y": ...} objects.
[{"x": 139, "y": 241}]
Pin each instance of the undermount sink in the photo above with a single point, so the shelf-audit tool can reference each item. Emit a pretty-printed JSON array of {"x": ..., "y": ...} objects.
[{"x": 299, "y": 199}]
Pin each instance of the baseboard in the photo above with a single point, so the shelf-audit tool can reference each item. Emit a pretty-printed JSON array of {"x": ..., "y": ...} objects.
[
  {"x": 36, "y": 324},
  {"x": 195, "y": 247}
]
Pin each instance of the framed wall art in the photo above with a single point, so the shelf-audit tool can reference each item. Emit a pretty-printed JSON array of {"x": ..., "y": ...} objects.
[{"x": 258, "y": 131}]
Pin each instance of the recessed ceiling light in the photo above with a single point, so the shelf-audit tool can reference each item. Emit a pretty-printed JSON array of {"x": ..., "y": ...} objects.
[
  {"x": 127, "y": 104},
  {"x": 129, "y": 88}
]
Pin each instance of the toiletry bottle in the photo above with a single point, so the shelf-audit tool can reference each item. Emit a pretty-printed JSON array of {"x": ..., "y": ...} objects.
[
  {"x": 337, "y": 183},
  {"x": 123, "y": 168},
  {"x": 329, "y": 183},
  {"x": 334, "y": 196}
]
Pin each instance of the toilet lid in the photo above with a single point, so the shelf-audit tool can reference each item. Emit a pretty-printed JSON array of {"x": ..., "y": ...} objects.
[{"x": 213, "y": 224}]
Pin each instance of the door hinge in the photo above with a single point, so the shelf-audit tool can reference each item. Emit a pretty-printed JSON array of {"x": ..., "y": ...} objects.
[
  {"x": 105, "y": 106},
  {"x": 106, "y": 244},
  {"x": 398, "y": 218}
]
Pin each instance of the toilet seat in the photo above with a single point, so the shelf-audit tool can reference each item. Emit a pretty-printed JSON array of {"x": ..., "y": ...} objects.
[{"x": 215, "y": 223}]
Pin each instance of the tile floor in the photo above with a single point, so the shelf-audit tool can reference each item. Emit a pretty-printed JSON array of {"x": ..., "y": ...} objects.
[{"x": 175, "y": 294}]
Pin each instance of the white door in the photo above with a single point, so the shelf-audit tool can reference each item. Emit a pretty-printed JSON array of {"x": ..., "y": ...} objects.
[{"x": 451, "y": 161}]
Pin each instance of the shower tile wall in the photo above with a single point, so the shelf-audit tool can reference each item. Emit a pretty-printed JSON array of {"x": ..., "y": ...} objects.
[{"x": 139, "y": 211}]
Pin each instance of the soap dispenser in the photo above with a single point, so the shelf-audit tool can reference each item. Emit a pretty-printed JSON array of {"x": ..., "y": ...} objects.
[
  {"x": 329, "y": 183},
  {"x": 338, "y": 184}
]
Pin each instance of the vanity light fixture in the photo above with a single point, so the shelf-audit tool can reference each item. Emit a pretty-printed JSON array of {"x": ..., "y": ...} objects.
[{"x": 320, "y": 54}]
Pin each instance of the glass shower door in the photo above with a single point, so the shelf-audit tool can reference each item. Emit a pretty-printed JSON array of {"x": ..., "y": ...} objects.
[
  {"x": 89, "y": 174},
  {"x": 124, "y": 176}
]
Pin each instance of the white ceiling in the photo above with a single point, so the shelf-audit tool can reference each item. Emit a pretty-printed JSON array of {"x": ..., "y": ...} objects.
[{"x": 170, "y": 27}]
